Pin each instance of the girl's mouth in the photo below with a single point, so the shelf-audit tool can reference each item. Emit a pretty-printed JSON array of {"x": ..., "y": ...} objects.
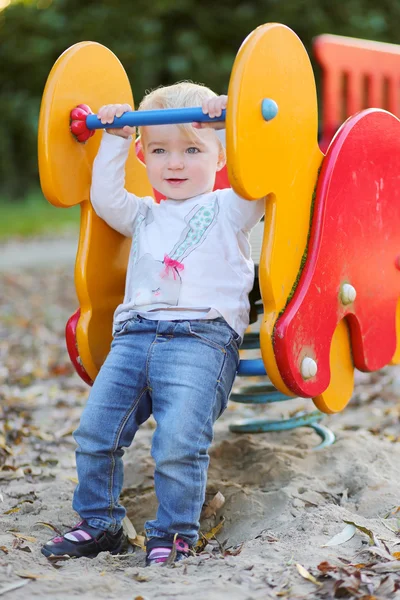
[{"x": 175, "y": 181}]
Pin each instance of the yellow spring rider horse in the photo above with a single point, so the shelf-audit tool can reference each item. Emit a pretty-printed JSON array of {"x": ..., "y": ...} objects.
[{"x": 329, "y": 267}]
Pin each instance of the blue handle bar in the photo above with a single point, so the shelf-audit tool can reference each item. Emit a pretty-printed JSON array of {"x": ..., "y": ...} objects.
[{"x": 140, "y": 118}]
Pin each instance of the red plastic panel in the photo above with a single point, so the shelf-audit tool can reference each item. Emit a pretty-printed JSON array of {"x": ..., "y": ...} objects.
[
  {"x": 356, "y": 74},
  {"x": 72, "y": 347},
  {"x": 355, "y": 239}
]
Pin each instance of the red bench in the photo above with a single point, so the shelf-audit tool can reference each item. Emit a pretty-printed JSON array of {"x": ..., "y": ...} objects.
[{"x": 356, "y": 74}]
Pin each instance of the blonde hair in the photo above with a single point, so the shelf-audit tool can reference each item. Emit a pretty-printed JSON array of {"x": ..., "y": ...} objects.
[{"x": 184, "y": 94}]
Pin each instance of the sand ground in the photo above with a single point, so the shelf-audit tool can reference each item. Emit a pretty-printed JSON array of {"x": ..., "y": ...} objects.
[{"x": 284, "y": 501}]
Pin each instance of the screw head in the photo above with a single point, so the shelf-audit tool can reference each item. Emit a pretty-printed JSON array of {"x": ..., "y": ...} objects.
[
  {"x": 269, "y": 109},
  {"x": 308, "y": 368},
  {"x": 347, "y": 293}
]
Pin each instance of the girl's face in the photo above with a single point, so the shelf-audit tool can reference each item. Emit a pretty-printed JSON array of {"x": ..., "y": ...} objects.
[{"x": 178, "y": 166}]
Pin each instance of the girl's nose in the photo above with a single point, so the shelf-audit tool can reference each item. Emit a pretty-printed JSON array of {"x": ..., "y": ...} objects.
[{"x": 175, "y": 161}]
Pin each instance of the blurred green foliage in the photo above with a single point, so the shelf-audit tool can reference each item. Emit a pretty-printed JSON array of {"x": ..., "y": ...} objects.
[
  {"x": 157, "y": 41},
  {"x": 34, "y": 216}
]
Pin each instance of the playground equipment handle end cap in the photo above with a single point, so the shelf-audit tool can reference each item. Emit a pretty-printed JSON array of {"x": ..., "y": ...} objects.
[{"x": 78, "y": 126}]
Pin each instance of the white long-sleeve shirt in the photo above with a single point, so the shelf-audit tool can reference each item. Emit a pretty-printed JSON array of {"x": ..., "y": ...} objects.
[{"x": 190, "y": 259}]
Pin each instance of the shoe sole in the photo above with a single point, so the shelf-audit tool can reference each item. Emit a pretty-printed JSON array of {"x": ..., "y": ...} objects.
[{"x": 49, "y": 554}]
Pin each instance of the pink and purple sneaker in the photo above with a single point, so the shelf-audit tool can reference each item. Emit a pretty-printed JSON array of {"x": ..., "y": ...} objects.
[
  {"x": 159, "y": 550},
  {"x": 84, "y": 540}
]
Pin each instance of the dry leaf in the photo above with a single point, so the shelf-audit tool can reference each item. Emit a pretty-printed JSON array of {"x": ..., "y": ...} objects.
[
  {"x": 68, "y": 430},
  {"x": 234, "y": 550},
  {"x": 326, "y": 567},
  {"x": 140, "y": 542},
  {"x": 73, "y": 479},
  {"x": 304, "y": 573},
  {"x": 344, "y": 536},
  {"x": 49, "y": 525},
  {"x": 365, "y": 530},
  {"x": 55, "y": 559},
  {"x": 213, "y": 506},
  {"x": 172, "y": 555},
  {"x": 380, "y": 552},
  {"x": 129, "y": 529},
  {"x": 131, "y": 534},
  {"x": 46, "y": 437},
  {"x": 21, "y": 536},
  {"x": 17, "y": 474},
  {"x": 12, "y": 510},
  {"x": 33, "y": 576},
  {"x": 13, "y": 586},
  {"x": 206, "y": 537},
  {"x": 4, "y": 446},
  {"x": 33, "y": 471},
  {"x": 388, "y": 567},
  {"x": 388, "y": 526}
]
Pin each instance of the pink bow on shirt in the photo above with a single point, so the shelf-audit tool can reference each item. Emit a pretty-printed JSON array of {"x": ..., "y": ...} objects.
[{"x": 171, "y": 264}]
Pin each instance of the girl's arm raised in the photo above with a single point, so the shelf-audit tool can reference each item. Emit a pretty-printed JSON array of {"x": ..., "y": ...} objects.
[{"x": 110, "y": 200}]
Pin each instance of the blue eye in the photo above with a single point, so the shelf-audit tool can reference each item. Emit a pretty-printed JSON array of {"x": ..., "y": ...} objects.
[
  {"x": 192, "y": 150},
  {"x": 158, "y": 151}
]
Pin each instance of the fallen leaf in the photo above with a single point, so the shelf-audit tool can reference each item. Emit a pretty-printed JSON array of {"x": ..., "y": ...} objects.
[
  {"x": 234, "y": 550},
  {"x": 55, "y": 559},
  {"x": 23, "y": 548},
  {"x": 33, "y": 576},
  {"x": 32, "y": 471},
  {"x": 73, "y": 479},
  {"x": 211, "y": 509},
  {"x": 391, "y": 567},
  {"x": 392, "y": 512},
  {"x": 325, "y": 567},
  {"x": 68, "y": 430},
  {"x": 206, "y": 537},
  {"x": 17, "y": 474},
  {"x": 344, "y": 536},
  {"x": 4, "y": 446},
  {"x": 380, "y": 552},
  {"x": 365, "y": 530},
  {"x": 12, "y": 510},
  {"x": 172, "y": 555},
  {"x": 49, "y": 525},
  {"x": 304, "y": 573},
  {"x": 22, "y": 536},
  {"x": 131, "y": 534},
  {"x": 13, "y": 586},
  {"x": 129, "y": 529},
  {"x": 46, "y": 437},
  {"x": 388, "y": 526}
]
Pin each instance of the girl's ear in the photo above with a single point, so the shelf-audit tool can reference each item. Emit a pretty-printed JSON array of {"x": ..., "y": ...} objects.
[{"x": 221, "y": 159}]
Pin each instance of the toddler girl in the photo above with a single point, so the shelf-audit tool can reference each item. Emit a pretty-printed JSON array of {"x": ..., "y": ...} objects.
[{"x": 177, "y": 333}]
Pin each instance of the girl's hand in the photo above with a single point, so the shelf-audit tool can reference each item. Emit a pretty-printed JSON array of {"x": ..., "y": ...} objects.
[
  {"x": 213, "y": 107},
  {"x": 107, "y": 113}
]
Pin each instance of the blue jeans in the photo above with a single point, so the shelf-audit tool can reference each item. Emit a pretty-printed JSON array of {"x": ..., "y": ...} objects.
[{"x": 182, "y": 372}]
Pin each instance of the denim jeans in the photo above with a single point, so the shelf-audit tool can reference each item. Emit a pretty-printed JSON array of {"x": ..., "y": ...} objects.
[{"x": 182, "y": 372}]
